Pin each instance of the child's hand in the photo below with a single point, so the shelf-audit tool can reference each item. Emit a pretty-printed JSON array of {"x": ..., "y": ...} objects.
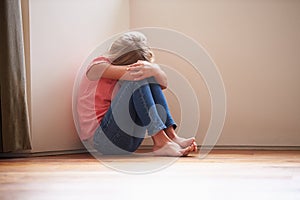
[{"x": 142, "y": 70}]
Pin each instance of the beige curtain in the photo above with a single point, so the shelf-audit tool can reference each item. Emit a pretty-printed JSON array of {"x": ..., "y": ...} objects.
[{"x": 15, "y": 131}]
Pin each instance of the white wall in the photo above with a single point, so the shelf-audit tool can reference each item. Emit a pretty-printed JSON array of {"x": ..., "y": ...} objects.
[
  {"x": 62, "y": 34},
  {"x": 256, "y": 46}
]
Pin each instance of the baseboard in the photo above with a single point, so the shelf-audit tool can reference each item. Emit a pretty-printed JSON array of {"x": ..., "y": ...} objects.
[
  {"x": 38, "y": 154},
  {"x": 270, "y": 148},
  {"x": 241, "y": 147}
]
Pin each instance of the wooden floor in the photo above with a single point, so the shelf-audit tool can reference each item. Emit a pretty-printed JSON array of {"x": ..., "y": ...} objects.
[{"x": 221, "y": 175}]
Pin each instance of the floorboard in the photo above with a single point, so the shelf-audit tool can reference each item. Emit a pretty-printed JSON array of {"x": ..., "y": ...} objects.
[{"x": 223, "y": 174}]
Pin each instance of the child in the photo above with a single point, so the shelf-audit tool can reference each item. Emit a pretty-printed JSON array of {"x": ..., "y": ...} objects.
[{"x": 120, "y": 98}]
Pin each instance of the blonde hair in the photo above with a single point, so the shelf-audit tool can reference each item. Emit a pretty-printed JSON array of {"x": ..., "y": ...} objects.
[{"x": 129, "y": 48}]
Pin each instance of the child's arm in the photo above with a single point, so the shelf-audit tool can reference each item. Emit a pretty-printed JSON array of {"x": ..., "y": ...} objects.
[
  {"x": 135, "y": 72},
  {"x": 106, "y": 70},
  {"x": 144, "y": 69}
]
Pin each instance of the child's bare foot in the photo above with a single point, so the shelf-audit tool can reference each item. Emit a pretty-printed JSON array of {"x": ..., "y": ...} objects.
[
  {"x": 183, "y": 142},
  {"x": 171, "y": 149},
  {"x": 164, "y": 146}
]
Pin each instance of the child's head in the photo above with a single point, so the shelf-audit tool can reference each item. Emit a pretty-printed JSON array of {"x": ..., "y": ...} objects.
[{"x": 129, "y": 48}]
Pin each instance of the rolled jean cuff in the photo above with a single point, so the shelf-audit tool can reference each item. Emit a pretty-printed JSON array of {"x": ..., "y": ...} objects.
[
  {"x": 171, "y": 124},
  {"x": 155, "y": 130}
]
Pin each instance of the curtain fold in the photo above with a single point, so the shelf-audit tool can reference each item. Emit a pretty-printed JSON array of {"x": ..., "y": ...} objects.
[{"x": 14, "y": 108}]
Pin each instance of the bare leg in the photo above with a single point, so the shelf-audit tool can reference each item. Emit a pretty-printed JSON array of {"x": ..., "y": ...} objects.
[
  {"x": 164, "y": 146},
  {"x": 183, "y": 142}
]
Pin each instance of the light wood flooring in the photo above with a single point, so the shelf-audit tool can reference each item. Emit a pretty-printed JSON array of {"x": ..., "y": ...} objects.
[{"x": 223, "y": 174}]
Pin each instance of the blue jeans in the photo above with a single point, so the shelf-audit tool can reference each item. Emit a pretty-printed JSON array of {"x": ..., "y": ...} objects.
[{"x": 139, "y": 106}]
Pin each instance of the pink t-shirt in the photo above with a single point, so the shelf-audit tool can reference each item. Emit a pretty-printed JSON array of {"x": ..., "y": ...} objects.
[{"x": 93, "y": 100}]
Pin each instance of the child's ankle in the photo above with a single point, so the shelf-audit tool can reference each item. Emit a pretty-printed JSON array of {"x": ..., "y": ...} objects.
[{"x": 160, "y": 139}]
